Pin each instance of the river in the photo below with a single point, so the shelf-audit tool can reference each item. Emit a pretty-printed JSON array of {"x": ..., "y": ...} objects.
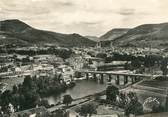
[{"x": 82, "y": 88}]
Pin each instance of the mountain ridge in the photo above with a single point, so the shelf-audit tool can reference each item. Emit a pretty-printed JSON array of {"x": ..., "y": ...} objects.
[
  {"x": 145, "y": 35},
  {"x": 16, "y": 30},
  {"x": 93, "y": 38},
  {"x": 114, "y": 33}
]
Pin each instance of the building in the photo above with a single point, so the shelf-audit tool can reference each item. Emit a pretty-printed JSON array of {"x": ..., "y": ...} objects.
[
  {"x": 66, "y": 72},
  {"x": 78, "y": 62}
]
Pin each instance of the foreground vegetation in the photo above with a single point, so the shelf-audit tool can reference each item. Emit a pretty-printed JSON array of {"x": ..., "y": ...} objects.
[{"x": 29, "y": 94}]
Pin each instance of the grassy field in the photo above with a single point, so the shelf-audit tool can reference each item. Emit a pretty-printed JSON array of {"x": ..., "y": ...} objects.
[
  {"x": 150, "y": 88},
  {"x": 155, "y": 84}
]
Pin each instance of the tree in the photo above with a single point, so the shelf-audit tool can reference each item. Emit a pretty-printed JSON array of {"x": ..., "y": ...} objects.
[
  {"x": 111, "y": 93},
  {"x": 166, "y": 105},
  {"x": 44, "y": 103},
  {"x": 67, "y": 99},
  {"x": 134, "y": 106},
  {"x": 15, "y": 89},
  {"x": 63, "y": 53},
  {"x": 59, "y": 113},
  {"x": 30, "y": 94},
  {"x": 101, "y": 55},
  {"x": 136, "y": 63},
  {"x": 31, "y": 99},
  {"x": 6, "y": 97},
  {"x": 15, "y": 101},
  {"x": 157, "y": 109},
  {"x": 164, "y": 66},
  {"x": 88, "y": 109},
  {"x": 29, "y": 84},
  {"x": 122, "y": 101}
]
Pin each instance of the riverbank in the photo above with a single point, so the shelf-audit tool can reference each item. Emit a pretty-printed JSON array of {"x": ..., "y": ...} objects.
[
  {"x": 102, "y": 109},
  {"x": 76, "y": 102}
]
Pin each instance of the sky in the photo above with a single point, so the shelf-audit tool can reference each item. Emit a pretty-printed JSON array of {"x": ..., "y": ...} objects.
[{"x": 86, "y": 17}]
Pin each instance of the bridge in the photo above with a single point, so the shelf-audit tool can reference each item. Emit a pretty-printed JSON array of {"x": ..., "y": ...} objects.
[{"x": 115, "y": 75}]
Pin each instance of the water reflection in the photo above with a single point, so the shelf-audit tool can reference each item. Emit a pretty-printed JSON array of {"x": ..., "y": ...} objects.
[{"x": 82, "y": 88}]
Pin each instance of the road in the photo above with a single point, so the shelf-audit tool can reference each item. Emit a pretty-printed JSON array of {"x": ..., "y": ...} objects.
[
  {"x": 74, "y": 103},
  {"x": 118, "y": 73}
]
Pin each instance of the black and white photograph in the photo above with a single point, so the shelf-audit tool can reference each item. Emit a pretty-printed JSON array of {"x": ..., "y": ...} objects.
[{"x": 83, "y": 58}]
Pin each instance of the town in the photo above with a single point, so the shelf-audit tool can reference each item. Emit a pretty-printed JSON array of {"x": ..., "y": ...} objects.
[
  {"x": 52, "y": 81},
  {"x": 83, "y": 58}
]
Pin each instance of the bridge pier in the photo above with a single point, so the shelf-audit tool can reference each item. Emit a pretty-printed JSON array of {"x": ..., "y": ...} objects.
[
  {"x": 133, "y": 80},
  {"x": 136, "y": 79},
  {"x": 110, "y": 78},
  {"x": 117, "y": 80},
  {"x": 125, "y": 80},
  {"x": 101, "y": 78},
  {"x": 78, "y": 74},
  {"x": 94, "y": 77},
  {"x": 87, "y": 76}
]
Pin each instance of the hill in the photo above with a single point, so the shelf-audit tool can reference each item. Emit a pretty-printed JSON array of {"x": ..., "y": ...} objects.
[
  {"x": 147, "y": 35},
  {"x": 93, "y": 38},
  {"x": 18, "y": 32},
  {"x": 114, "y": 33}
]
